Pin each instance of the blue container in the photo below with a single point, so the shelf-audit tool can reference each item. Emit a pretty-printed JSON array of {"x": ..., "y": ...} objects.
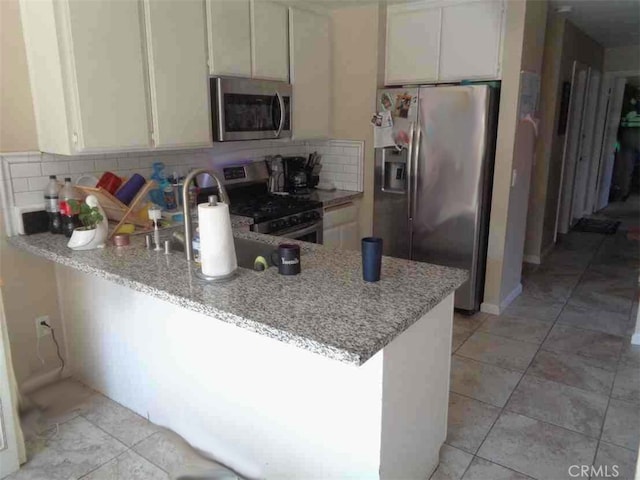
[
  {"x": 127, "y": 192},
  {"x": 371, "y": 258}
]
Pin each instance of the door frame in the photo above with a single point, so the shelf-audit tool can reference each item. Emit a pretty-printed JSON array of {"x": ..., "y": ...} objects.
[
  {"x": 584, "y": 169},
  {"x": 611, "y": 91},
  {"x": 567, "y": 172}
]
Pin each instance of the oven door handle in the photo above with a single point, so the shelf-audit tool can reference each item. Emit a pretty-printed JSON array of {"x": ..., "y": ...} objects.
[
  {"x": 281, "y": 125},
  {"x": 300, "y": 232}
]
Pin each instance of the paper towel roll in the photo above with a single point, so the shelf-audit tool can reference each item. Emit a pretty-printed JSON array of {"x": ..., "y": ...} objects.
[{"x": 217, "y": 250}]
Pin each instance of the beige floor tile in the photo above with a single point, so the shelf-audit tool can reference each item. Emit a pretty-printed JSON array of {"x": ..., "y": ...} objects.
[
  {"x": 128, "y": 466},
  {"x": 170, "y": 452},
  {"x": 487, "y": 383},
  {"x": 469, "y": 422},
  {"x": 453, "y": 463},
  {"x": 535, "y": 448},
  {"x": 630, "y": 354},
  {"x": 614, "y": 462},
  {"x": 627, "y": 384},
  {"x": 593, "y": 318},
  {"x": 603, "y": 347},
  {"x": 468, "y": 322},
  {"x": 556, "y": 286},
  {"x": 76, "y": 448},
  {"x": 573, "y": 370},
  {"x": 622, "y": 424},
  {"x": 62, "y": 400},
  {"x": 118, "y": 421},
  {"x": 481, "y": 469},
  {"x": 559, "y": 404},
  {"x": 499, "y": 351},
  {"x": 531, "y": 331},
  {"x": 532, "y": 308},
  {"x": 460, "y": 335}
]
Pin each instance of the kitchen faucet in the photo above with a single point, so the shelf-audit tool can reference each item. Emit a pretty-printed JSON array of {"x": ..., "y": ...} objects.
[{"x": 188, "y": 227}]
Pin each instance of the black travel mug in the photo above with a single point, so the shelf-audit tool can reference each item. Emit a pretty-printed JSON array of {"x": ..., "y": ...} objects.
[
  {"x": 371, "y": 258},
  {"x": 287, "y": 258}
]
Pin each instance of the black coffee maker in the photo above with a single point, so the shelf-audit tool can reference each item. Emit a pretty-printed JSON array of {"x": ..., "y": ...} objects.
[
  {"x": 300, "y": 176},
  {"x": 295, "y": 175}
]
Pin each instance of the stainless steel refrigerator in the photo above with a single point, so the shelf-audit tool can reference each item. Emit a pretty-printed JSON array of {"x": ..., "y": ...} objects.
[{"x": 433, "y": 194}]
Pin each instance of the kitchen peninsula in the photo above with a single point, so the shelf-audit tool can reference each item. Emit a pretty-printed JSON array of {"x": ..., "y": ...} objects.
[{"x": 320, "y": 375}]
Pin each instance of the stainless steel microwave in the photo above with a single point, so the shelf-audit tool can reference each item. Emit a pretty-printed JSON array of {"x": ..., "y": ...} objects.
[{"x": 245, "y": 109}]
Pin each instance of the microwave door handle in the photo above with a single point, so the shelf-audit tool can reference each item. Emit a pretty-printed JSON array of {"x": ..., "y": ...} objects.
[{"x": 281, "y": 125}]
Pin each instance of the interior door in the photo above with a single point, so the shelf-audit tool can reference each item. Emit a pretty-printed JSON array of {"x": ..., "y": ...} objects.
[
  {"x": 608, "y": 144},
  {"x": 583, "y": 167},
  {"x": 9, "y": 438},
  {"x": 572, "y": 145}
]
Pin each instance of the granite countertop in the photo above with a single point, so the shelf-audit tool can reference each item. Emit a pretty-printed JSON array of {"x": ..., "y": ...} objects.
[
  {"x": 327, "y": 309},
  {"x": 334, "y": 197}
]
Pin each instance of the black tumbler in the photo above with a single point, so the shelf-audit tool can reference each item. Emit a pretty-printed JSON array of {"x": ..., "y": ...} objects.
[
  {"x": 371, "y": 258},
  {"x": 287, "y": 258}
]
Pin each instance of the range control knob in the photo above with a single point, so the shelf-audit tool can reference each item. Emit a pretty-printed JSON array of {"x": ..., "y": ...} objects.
[
  {"x": 294, "y": 220},
  {"x": 315, "y": 215}
]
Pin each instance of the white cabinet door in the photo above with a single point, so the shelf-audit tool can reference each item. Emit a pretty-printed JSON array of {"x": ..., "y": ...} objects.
[
  {"x": 110, "y": 83},
  {"x": 350, "y": 236},
  {"x": 413, "y": 44},
  {"x": 229, "y": 37},
  {"x": 269, "y": 40},
  {"x": 331, "y": 237},
  {"x": 310, "y": 73},
  {"x": 178, "y": 74},
  {"x": 471, "y": 39}
]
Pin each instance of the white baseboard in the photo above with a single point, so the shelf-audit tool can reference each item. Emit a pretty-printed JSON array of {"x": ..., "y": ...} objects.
[
  {"x": 535, "y": 259},
  {"x": 34, "y": 383},
  {"x": 498, "y": 309},
  {"x": 490, "y": 308},
  {"x": 635, "y": 339}
]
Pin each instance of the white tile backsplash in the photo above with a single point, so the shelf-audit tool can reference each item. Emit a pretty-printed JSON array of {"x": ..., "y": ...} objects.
[
  {"x": 27, "y": 173},
  {"x": 21, "y": 170}
]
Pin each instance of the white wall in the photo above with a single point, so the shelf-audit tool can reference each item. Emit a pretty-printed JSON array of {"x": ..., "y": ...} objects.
[
  {"x": 354, "y": 53},
  {"x": 523, "y": 47},
  {"x": 622, "y": 59}
]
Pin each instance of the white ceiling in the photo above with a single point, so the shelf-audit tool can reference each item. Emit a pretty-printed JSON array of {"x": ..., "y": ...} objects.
[{"x": 611, "y": 23}]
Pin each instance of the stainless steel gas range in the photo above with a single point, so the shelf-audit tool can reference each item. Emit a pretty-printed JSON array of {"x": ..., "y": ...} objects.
[{"x": 274, "y": 214}]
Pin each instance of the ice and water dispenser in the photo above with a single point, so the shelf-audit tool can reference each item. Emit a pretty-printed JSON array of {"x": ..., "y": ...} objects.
[{"x": 394, "y": 170}]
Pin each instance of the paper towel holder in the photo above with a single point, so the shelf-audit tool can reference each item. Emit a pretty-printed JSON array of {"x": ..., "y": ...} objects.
[{"x": 213, "y": 201}]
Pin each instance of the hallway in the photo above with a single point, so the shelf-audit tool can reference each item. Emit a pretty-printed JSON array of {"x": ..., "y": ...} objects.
[{"x": 554, "y": 381}]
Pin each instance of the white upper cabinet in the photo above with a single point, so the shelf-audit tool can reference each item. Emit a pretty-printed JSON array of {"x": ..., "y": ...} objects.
[
  {"x": 248, "y": 38},
  {"x": 310, "y": 57},
  {"x": 444, "y": 41},
  {"x": 471, "y": 36},
  {"x": 178, "y": 74},
  {"x": 117, "y": 75},
  {"x": 86, "y": 65},
  {"x": 229, "y": 37},
  {"x": 269, "y": 40},
  {"x": 413, "y": 43}
]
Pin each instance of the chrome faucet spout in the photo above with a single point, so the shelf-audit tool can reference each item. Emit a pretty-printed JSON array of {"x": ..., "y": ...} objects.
[{"x": 188, "y": 227}]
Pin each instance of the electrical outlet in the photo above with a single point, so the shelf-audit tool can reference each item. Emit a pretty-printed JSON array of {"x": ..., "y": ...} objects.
[{"x": 41, "y": 330}]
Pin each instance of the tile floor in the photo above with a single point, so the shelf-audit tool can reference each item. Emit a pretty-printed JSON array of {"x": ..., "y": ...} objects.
[
  {"x": 553, "y": 382},
  {"x": 73, "y": 432}
]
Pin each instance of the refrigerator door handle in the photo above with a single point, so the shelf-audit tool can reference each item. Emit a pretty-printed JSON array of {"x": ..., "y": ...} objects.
[
  {"x": 414, "y": 173},
  {"x": 409, "y": 174},
  {"x": 410, "y": 163}
]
